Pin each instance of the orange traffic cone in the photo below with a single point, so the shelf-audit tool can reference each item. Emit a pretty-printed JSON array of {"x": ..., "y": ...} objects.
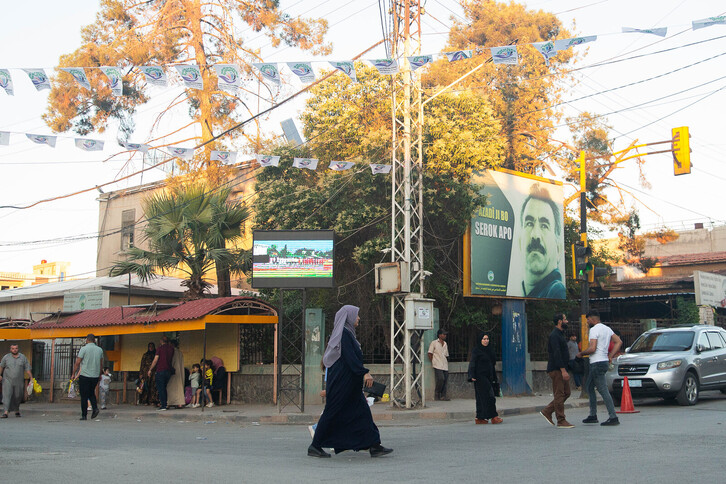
[{"x": 626, "y": 400}]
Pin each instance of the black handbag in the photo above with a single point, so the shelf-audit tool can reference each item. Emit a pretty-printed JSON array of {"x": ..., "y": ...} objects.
[{"x": 376, "y": 390}]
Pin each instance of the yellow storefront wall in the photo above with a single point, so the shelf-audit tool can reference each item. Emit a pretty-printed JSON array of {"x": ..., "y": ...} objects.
[
  {"x": 25, "y": 347},
  {"x": 222, "y": 341}
]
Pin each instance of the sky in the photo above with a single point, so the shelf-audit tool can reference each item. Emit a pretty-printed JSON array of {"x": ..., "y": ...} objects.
[{"x": 663, "y": 90}]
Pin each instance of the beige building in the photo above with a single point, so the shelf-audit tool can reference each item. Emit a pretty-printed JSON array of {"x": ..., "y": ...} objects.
[
  {"x": 121, "y": 222},
  {"x": 42, "y": 273}
]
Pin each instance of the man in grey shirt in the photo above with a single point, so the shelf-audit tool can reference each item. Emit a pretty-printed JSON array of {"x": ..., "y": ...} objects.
[
  {"x": 90, "y": 362},
  {"x": 13, "y": 366}
]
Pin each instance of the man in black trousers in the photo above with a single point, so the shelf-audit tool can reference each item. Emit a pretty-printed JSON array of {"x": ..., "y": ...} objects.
[{"x": 557, "y": 371}]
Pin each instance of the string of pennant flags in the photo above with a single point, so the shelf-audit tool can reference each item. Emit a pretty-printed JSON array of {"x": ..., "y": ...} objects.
[{"x": 229, "y": 76}]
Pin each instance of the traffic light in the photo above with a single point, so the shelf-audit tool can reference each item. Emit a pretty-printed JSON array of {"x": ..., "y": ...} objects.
[
  {"x": 681, "y": 145},
  {"x": 580, "y": 254},
  {"x": 594, "y": 272}
]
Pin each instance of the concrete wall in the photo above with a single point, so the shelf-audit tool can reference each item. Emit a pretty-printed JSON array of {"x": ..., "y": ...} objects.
[{"x": 697, "y": 241}]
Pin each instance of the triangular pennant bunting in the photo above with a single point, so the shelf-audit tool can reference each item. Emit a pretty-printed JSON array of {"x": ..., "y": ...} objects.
[
  {"x": 228, "y": 77},
  {"x": 547, "y": 49},
  {"x": 155, "y": 75},
  {"x": 385, "y": 66},
  {"x": 458, "y": 55},
  {"x": 268, "y": 160},
  {"x": 341, "y": 165},
  {"x": 660, "y": 32},
  {"x": 376, "y": 168},
  {"x": 419, "y": 61},
  {"x": 4, "y": 138},
  {"x": 79, "y": 75},
  {"x": 115, "y": 79},
  {"x": 191, "y": 75},
  {"x": 346, "y": 67},
  {"x": 6, "y": 82},
  {"x": 707, "y": 22},
  {"x": 303, "y": 70},
  {"x": 38, "y": 78},
  {"x": 136, "y": 147},
  {"x": 269, "y": 72},
  {"x": 42, "y": 139},
  {"x": 309, "y": 163},
  {"x": 183, "y": 153},
  {"x": 505, "y": 55},
  {"x": 565, "y": 44},
  {"x": 224, "y": 156},
  {"x": 89, "y": 144}
]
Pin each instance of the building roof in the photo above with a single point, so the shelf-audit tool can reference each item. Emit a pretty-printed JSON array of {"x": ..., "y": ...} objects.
[{"x": 689, "y": 259}]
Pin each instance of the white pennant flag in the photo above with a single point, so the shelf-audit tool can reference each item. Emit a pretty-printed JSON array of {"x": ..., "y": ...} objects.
[
  {"x": 660, "y": 32},
  {"x": 376, "y": 168},
  {"x": 224, "y": 156},
  {"x": 155, "y": 75},
  {"x": 38, "y": 78},
  {"x": 191, "y": 75},
  {"x": 269, "y": 72},
  {"x": 303, "y": 70},
  {"x": 228, "y": 77},
  {"x": 458, "y": 55},
  {"x": 268, "y": 160},
  {"x": 89, "y": 144},
  {"x": 136, "y": 147},
  {"x": 346, "y": 67},
  {"x": 341, "y": 165},
  {"x": 79, "y": 75},
  {"x": 385, "y": 66},
  {"x": 309, "y": 163},
  {"x": 115, "y": 79},
  {"x": 505, "y": 55},
  {"x": 6, "y": 82},
  {"x": 565, "y": 44},
  {"x": 183, "y": 153},
  {"x": 4, "y": 138},
  {"x": 42, "y": 139},
  {"x": 707, "y": 22},
  {"x": 419, "y": 61},
  {"x": 547, "y": 49}
]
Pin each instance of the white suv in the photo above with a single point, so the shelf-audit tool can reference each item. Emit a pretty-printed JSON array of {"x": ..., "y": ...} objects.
[{"x": 673, "y": 363}]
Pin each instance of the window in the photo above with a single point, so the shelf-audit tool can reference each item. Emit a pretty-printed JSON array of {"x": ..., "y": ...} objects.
[
  {"x": 703, "y": 341},
  {"x": 715, "y": 340},
  {"x": 128, "y": 220}
]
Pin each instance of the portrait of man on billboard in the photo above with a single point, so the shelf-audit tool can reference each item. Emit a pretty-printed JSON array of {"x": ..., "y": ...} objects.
[{"x": 540, "y": 235}]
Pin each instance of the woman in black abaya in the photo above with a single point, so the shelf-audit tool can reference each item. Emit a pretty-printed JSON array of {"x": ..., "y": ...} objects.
[
  {"x": 483, "y": 374},
  {"x": 346, "y": 422}
]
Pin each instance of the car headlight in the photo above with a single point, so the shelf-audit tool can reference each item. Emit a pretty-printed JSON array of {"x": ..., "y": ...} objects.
[{"x": 669, "y": 365}]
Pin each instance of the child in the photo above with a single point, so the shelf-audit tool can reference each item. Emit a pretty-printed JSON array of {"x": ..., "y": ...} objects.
[
  {"x": 195, "y": 379},
  {"x": 208, "y": 376},
  {"x": 104, "y": 386}
]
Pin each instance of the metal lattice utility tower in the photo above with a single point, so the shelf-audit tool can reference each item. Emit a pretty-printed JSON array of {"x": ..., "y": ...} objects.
[{"x": 407, "y": 352}]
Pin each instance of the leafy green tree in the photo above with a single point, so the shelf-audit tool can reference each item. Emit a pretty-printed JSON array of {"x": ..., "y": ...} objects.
[
  {"x": 188, "y": 230},
  {"x": 129, "y": 33}
]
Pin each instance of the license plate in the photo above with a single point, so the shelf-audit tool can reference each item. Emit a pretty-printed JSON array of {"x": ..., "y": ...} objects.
[{"x": 635, "y": 383}]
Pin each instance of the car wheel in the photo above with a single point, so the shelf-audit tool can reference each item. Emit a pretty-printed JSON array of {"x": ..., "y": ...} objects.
[{"x": 689, "y": 391}]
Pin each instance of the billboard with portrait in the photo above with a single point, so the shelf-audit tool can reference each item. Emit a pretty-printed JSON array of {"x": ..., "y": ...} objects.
[
  {"x": 292, "y": 258},
  {"x": 514, "y": 246}
]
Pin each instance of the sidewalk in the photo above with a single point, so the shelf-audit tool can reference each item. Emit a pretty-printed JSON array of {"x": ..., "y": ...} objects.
[{"x": 383, "y": 413}]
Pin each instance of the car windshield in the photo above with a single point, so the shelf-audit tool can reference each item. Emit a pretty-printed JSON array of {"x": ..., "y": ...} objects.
[{"x": 665, "y": 341}]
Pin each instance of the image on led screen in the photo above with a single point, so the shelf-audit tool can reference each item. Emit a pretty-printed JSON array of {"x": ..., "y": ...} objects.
[{"x": 292, "y": 259}]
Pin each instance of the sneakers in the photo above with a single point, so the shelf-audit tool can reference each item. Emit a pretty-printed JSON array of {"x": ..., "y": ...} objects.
[
  {"x": 497, "y": 420},
  {"x": 611, "y": 421},
  {"x": 160, "y": 409},
  {"x": 548, "y": 418},
  {"x": 312, "y": 431},
  {"x": 209, "y": 405},
  {"x": 565, "y": 425},
  {"x": 591, "y": 419}
]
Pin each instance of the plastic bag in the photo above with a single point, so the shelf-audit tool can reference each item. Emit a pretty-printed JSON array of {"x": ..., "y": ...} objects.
[
  {"x": 36, "y": 386},
  {"x": 72, "y": 392},
  {"x": 29, "y": 388}
]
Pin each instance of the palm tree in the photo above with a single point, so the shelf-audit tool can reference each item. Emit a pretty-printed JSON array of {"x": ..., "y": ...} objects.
[{"x": 188, "y": 229}]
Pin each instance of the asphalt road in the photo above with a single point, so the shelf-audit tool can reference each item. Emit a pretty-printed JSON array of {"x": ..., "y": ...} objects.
[{"x": 662, "y": 444}]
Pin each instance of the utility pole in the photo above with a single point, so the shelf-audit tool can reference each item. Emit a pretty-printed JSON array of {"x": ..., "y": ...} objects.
[
  {"x": 584, "y": 284},
  {"x": 407, "y": 205}
]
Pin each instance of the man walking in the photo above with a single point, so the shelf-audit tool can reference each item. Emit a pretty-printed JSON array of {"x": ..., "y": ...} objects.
[
  {"x": 600, "y": 336},
  {"x": 163, "y": 366},
  {"x": 438, "y": 356},
  {"x": 87, "y": 369},
  {"x": 557, "y": 371},
  {"x": 13, "y": 367}
]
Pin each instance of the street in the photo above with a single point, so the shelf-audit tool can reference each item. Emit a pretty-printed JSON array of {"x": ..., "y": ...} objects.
[{"x": 663, "y": 443}]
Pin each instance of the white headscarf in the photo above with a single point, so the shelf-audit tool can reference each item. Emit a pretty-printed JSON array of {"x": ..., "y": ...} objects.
[{"x": 345, "y": 318}]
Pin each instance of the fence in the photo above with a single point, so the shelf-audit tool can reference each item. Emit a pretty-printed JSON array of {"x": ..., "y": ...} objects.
[{"x": 65, "y": 357}]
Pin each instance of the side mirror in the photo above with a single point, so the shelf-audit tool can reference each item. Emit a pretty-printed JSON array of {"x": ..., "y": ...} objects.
[
  {"x": 699, "y": 348},
  {"x": 627, "y": 350}
]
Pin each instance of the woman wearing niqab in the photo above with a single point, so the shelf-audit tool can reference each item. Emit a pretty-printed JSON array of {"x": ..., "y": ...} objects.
[
  {"x": 149, "y": 394},
  {"x": 346, "y": 422},
  {"x": 483, "y": 374}
]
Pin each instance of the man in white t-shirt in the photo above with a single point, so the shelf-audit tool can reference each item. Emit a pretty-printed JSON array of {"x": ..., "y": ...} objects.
[
  {"x": 600, "y": 336},
  {"x": 438, "y": 356}
]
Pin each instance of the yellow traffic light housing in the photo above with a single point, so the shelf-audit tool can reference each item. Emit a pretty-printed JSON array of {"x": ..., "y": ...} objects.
[{"x": 681, "y": 144}]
